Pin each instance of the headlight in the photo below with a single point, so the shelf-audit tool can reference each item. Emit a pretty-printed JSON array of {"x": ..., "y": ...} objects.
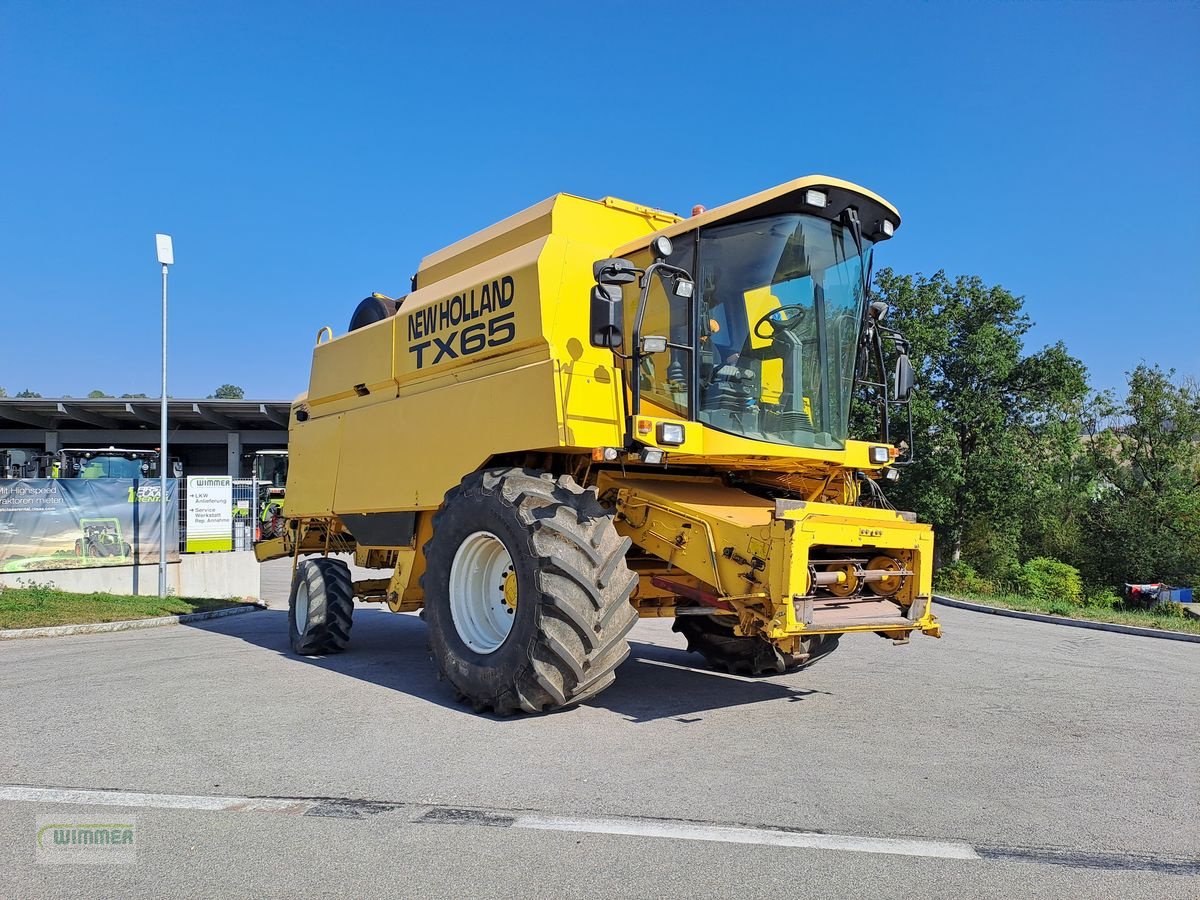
[
  {"x": 880, "y": 455},
  {"x": 653, "y": 343},
  {"x": 670, "y": 433},
  {"x": 818, "y": 199}
]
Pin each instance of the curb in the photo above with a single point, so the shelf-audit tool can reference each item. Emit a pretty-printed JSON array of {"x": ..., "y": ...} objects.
[
  {"x": 17, "y": 634},
  {"x": 1063, "y": 620}
]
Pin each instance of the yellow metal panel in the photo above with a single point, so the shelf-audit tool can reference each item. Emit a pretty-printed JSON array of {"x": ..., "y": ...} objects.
[
  {"x": 485, "y": 311},
  {"x": 703, "y": 498},
  {"x": 394, "y": 455},
  {"x": 705, "y": 446},
  {"x": 362, "y": 357},
  {"x": 689, "y": 522},
  {"x": 484, "y": 247},
  {"x": 401, "y": 577},
  {"x": 604, "y": 224},
  {"x": 592, "y": 415},
  {"x": 659, "y": 216},
  {"x": 538, "y": 221},
  {"x": 313, "y": 451},
  {"x": 589, "y": 384}
]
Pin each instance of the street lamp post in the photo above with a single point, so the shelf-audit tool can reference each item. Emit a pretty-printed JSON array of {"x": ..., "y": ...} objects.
[{"x": 166, "y": 257}]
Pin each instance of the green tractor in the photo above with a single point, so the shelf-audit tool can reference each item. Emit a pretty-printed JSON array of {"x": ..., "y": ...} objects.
[
  {"x": 102, "y": 539},
  {"x": 270, "y": 478},
  {"x": 110, "y": 462}
]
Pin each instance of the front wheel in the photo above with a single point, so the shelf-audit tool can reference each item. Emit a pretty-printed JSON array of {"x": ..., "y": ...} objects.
[
  {"x": 526, "y": 591},
  {"x": 713, "y": 638}
]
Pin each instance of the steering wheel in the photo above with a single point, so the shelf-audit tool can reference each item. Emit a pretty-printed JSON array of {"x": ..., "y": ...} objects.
[{"x": 795, "y": 315}]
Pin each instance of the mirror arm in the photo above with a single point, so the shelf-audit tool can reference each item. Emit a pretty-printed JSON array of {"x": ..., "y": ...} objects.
[
  {"x": 884, "y": 407},
  {"x": 912, "y": 454},
  {"x": 635, "y": 358},
  {"x": 661, "y": 269}
]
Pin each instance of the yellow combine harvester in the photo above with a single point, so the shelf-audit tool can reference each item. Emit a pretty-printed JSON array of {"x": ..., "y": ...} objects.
[{"x": 594, "y": 411}]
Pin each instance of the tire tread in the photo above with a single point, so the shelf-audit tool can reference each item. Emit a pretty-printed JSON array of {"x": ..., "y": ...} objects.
[{"x": 583, "y": 588}]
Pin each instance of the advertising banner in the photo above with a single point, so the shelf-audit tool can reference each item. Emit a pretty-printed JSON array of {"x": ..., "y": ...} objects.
[
  {"x": 209, "y": 513},
  {"x": 72, "y": 523}
]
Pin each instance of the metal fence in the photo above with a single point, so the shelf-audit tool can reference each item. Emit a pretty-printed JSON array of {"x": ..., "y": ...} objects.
[{"x": 245, "y": 514}]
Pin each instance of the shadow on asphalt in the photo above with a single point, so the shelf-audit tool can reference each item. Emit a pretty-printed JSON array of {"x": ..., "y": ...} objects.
[{"x": 390, "y": 650}]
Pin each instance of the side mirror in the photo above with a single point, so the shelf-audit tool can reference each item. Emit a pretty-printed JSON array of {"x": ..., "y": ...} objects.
[
  {"x": 902, "y": 384},
  {"x": 607, "y": 314},
  {"x": 614, "y": 271}
]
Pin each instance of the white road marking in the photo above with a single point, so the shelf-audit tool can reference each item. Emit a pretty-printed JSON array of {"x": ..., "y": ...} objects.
[
  {"x": 689, "y": 831},
  {"x": 152, "y": 801},
  {"x": 765, "y": 836}
]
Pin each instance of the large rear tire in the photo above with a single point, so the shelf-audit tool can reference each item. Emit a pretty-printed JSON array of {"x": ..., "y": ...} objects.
[
  {"x": 526, "y": 591},
  {"x": 713, "y": 638},
  {"x": 321, "y": 607}
]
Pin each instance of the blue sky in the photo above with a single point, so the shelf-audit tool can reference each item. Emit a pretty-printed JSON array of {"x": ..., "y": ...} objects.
[{"x": 304, "y": 155}]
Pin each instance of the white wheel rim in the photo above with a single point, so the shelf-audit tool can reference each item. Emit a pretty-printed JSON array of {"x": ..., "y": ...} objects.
[
  {"x": 482, "y": 616},
  {"x": 302, "y": 607}
]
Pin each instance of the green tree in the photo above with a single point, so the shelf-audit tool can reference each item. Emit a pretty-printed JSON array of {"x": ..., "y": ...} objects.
[
  {"x": 133, "y": 396},
  {"x": 227, "y": 392},
  {"x": 95, "y": 395},
  {"x": 27, "y": 395},
  {"x": 984, "y": 414},
  {"x": 1145, "y": 520},
  {"x": 1058, "y": 480},
  {"x": 3, "y": 392}
]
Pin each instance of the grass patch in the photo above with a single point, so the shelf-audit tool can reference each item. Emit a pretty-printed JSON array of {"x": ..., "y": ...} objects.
[
  {"x": 37, "y": 606},
  {"x": 1169, "y": 617}
]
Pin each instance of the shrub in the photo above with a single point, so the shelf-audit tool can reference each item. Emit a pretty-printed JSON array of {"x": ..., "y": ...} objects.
[
  {"x": 954, "y": 576},
  {"x": 1048, "y": 580},
  {"x": 1103, "y": 598},
  {"x": 961, "y": 577},
  {"x": 1008, "y": 579},
  {"x": 981, "y": 585},
  {"x": 1169, "y": 609}
]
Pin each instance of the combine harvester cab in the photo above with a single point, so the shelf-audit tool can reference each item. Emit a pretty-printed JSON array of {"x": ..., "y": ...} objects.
[{"x": 595, "y": 410}]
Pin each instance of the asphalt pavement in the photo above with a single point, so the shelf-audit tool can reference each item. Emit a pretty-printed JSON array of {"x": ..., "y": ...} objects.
[{"x": 1011, "y": 758}]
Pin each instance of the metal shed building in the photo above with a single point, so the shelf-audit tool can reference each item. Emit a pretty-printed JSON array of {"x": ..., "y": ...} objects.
[{"x": 210, "y": 437}]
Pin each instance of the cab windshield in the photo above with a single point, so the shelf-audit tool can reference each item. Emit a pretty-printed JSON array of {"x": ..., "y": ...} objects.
[
  {"x": 271, "y": 468},
  {"x": 111, "y": 467},
  {"x": 781, "y": 306}
]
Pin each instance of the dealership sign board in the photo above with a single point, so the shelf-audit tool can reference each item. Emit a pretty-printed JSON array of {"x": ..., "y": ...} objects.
[
  {"x": 75, "y": 523},
  {"x": 209, "y": 513}
]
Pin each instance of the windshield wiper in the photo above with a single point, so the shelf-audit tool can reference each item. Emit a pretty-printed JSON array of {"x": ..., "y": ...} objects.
[{"x": 850, "y": 215}]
